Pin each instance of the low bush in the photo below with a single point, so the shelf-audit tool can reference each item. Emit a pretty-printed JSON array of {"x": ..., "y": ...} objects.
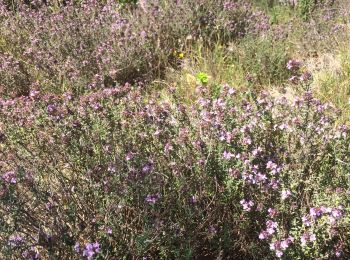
[
  {"x": 94, "y": 45},
  {"x": 92, "y": 167},
  {"x": 119, "y": 172}
]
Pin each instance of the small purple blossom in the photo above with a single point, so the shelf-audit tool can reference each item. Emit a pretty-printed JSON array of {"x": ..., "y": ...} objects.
[
  {"x": 279, "y": 253},
  {"x": 307, "y": 237},
  {"x": 91, "y": 249},
  {"x": 284, "y": 244},
  {"x": 264, "y": 235},
  {"x": 247, "y": 205},
  {"x": 257, "y": 151},
  {"x": 293, "y": 65},
  {"x": 51, "y": 109},
  {"x": 96, "y": 106},
  {"x": 336, "y": 213},
  {"x": 272, "y": 212},
  {"x": 312, "y": 237},
  {"x": 109, "y": 230},
  {"x": 152, "y": 199},
  {"x": 77, "y": 247},
  {"x": 9, "y": 177},
  {"x": 111, "y": 168},
  {"x": 271, "y": 224},
  {"x": 315, "y": 212},
  {"x": 31, "y": 254},
  {"x": 305, "y": 76},
  {"x": 143, "y": 34},
  {"x": 294, "y": 79},
  {"x": 280, "y": 245},
  {"x": 306, "y": 221},
  {"x": 193, "y": 199},
  {"x": 15, "y": 241},
  {"x": 227, "y": 155},
  {"x": 147, "y": 168},
  {"x": 272, "y": 166},
  {"x": 285, "y": 194},
  {"x": 129, "y": 156},
  {"x": 34, "y": 93}
]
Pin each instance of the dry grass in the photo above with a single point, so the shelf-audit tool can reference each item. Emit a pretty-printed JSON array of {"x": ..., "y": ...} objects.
[{"x": 331, "y": 73}]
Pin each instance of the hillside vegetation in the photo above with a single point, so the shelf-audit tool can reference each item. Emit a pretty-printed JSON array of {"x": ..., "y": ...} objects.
[{"x": 174, "y": 129}]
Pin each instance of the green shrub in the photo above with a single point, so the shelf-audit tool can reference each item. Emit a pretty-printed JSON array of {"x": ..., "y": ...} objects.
[{"x": 306, "y": 7}]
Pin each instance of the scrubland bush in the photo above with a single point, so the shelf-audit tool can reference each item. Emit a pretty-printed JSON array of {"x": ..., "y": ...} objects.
[
  {"x": 123, "y": 173},
  {"x": 95, "y": 45},
  {"x": 92, "y": 167}
]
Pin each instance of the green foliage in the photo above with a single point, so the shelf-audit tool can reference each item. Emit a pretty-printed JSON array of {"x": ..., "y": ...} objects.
[
  {"x": 127, "y": 1},
  {"x": 306, "y": 7},
  {"x": 202, "y": 78}
]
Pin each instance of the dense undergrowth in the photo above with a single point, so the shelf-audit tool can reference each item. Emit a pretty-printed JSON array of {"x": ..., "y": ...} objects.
[{"x": 174, "y": 130}]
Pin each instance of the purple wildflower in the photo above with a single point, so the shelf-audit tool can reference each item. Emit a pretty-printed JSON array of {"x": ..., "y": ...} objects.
[
  {"x": 257, "y": 151},
  {"x": 275, "y": 246},
  {"x": 285, "y": 194},
  {"x": 77, "y": 247},
  {"x": 9, "y": 177},
  {"x": 147, "y": 168},
  {"x": 51, "y": 109},
  {"x": 279, "y": 253},
  {"x": 336, "y": 213},
  {"x": 271, "y": 165},
  {"x": 15, "y": 240},
  {"x": 272, "y": 212},
  {"x": 271, "y": 227},
  {"x": 312, "y": 237},
  {"x": 306, "y": 221},
  {"x": 307, "y": 237},
  {"x": 247, "y": 205},
  {"x": 315, "y": 212},
  {"x": 337, "y": 253},
  {"x": 294, "y": 79},
  {"x": 193, "y": 199},
  {"x": 227, "y": 155},
  {"x": 305, "y": 76},
  {"x": 109, "y": 230},
  {"x": 152, "y": 199},
  {"x": 91, "y": 249},
  {"x": 112, "y": 168},
  {"x": 293, "y": 65},
  {"x": 129, "y": 156},
  {"x": 264, "y": 235}
]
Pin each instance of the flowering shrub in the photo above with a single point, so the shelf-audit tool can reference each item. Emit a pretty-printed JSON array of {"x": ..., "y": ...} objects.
[
  {"x": 93, "y": 167},
  {"x": 299, "y": 75},
  {"x": 119, "y": 172},
  {"x": 94, "y": 44}
]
